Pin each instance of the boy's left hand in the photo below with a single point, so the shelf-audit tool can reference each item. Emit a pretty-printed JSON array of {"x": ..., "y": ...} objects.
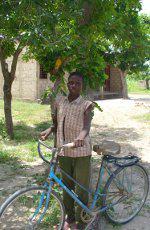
[{"x": 78, "y": 142}]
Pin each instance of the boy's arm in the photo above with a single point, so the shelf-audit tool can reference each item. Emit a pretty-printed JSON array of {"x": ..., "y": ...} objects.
[
  {"x": 52, "y": 129},
  {"x": 88, "y": 115}
]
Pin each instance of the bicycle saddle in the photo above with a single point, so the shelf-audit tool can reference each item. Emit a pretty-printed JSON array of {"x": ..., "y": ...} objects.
[{"x": 107, "y": 148}]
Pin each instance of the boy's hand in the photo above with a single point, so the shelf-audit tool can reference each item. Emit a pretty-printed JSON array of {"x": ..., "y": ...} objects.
[
  {"x": 44, "y": 135},
  {"x": 78, "y": 142}
]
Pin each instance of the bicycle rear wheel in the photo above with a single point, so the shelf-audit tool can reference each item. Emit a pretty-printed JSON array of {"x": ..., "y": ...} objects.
[
  {"x": 126, "y": 192},
  {"x": 18, "y": 210}
]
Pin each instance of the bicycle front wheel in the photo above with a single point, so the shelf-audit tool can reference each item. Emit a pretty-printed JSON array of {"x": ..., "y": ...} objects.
[
  {"x": 126, "y": 192},
  {"x": 23, "y": 210}
]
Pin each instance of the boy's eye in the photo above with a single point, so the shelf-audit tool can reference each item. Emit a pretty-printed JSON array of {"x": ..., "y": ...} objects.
[{"x": 74, "y": 83}]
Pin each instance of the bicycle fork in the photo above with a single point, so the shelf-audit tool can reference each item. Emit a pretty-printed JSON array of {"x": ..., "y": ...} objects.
[{"x": 41, "y": 202}]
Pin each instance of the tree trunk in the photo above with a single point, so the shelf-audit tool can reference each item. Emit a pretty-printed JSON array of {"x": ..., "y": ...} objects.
[
  {"x": 124, "y": 88},
  {"x": 147, "y": 84},
  {"x": 7, "y": 107},
  {"x": 8, "y": 80}
]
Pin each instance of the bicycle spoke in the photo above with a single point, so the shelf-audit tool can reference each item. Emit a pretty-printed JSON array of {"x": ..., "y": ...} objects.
[
  {"x": 22, "y": 213},
  {"x": 126, "y": 192}
]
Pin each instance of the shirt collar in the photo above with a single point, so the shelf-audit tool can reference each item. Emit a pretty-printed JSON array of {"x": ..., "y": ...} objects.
[{"x": 74, "y": 101}]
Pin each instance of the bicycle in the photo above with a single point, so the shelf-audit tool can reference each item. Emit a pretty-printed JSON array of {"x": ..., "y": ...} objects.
[{"x": 40, "y": 207}]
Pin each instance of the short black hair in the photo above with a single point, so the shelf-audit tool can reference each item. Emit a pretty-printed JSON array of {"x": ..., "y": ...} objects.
[{"x": 76, "y": 73}]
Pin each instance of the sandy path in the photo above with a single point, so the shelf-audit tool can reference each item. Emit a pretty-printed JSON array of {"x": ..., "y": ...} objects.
[{"x": 117, "y": 123}]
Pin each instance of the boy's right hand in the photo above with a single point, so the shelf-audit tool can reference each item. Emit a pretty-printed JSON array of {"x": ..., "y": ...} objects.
[{"x": 44, "y": 135}]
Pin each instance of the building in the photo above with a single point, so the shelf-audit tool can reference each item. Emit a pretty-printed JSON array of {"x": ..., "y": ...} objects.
[{"x": 31, "y": 81}]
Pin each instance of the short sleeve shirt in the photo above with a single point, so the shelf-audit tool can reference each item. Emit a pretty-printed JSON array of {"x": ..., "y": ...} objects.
[{"x": 70, "y": 121}]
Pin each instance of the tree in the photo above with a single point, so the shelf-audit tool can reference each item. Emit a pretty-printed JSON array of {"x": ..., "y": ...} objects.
[
  {"x": 142, "y": 75},
  {"x": 143, "y": 70},
  {"x": 15, "y": 35},
  {"x": 129, "y": 49},
  {"x": 8, "y": 47},
  {"x": 145, "y": 75},
  {"x": 80, "y": 47},
  {"x": 20, "y": 26},
  {"x": 64, "y": 35},
  {"x": 115, "y": 36}
]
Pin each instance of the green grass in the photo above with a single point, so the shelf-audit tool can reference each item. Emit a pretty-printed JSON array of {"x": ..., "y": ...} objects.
[
  {"x": 29, "y": 120},
  {"x": 133, "y": 87},
  {"x": 143, "y": 118}
]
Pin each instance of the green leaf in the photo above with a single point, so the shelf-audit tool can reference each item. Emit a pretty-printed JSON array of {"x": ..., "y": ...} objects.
[{"x": 97, "y": 106}]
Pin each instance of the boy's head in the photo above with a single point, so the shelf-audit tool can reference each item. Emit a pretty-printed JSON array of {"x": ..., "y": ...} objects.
[{"x": 75, "y": 83}]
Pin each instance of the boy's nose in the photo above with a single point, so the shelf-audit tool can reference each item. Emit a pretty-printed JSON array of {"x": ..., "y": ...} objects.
[{"x": 73, "y": 85}]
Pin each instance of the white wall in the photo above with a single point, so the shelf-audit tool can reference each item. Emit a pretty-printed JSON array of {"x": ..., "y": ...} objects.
[{"x": 25, "y": 83}]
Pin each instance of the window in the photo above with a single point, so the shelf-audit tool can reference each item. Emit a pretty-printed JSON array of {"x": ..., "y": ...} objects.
[{"x": 43, "y": 74}]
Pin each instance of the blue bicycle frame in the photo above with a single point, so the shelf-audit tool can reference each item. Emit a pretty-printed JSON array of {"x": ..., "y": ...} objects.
[{"x": 53, "y": 177}]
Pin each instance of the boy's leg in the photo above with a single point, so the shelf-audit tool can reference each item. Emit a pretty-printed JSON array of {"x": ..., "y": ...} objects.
[
  {"x": 66, "y": 163},
  {"x": 82, "y": 175}
]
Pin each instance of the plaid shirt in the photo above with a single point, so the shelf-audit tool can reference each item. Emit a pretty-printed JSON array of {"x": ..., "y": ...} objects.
[{"x": 70, "y": 117}]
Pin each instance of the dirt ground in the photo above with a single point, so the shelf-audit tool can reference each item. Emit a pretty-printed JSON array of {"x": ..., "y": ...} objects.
[{"x": 117, "y": 122}]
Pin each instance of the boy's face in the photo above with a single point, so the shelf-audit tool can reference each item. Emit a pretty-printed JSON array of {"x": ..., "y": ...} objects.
[{"x": 74, "y": 85}]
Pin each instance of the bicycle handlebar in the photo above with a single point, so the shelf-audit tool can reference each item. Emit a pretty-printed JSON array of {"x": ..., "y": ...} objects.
[
  {"x": 69, "y": 145},
  {"x": 53, "y": 150}
]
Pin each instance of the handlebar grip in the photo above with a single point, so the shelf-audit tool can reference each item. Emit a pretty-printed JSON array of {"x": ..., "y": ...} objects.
[{"x": 69, "y": 145}]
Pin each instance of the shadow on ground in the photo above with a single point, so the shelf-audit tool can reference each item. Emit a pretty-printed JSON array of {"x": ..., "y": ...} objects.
[
  {"x": 123, "y": 136},
  {"x": 25, "y": 133},
  {"x": 144, "y": 100}
]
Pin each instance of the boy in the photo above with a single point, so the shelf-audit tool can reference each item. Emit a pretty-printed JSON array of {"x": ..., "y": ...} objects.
[{"x": 74, "y": 115}]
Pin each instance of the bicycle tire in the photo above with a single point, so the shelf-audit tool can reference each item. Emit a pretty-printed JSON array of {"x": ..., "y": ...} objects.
[
  {"x": 140, "y": 182},
  {"x": 17, "y": 211}
]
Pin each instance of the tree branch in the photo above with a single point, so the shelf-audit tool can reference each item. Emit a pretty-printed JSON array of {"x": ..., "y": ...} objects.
[
  {"x": 87, "y": 13},
  {"x": 14, "y": 61},
  {"x": 4, "y": 64}
]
